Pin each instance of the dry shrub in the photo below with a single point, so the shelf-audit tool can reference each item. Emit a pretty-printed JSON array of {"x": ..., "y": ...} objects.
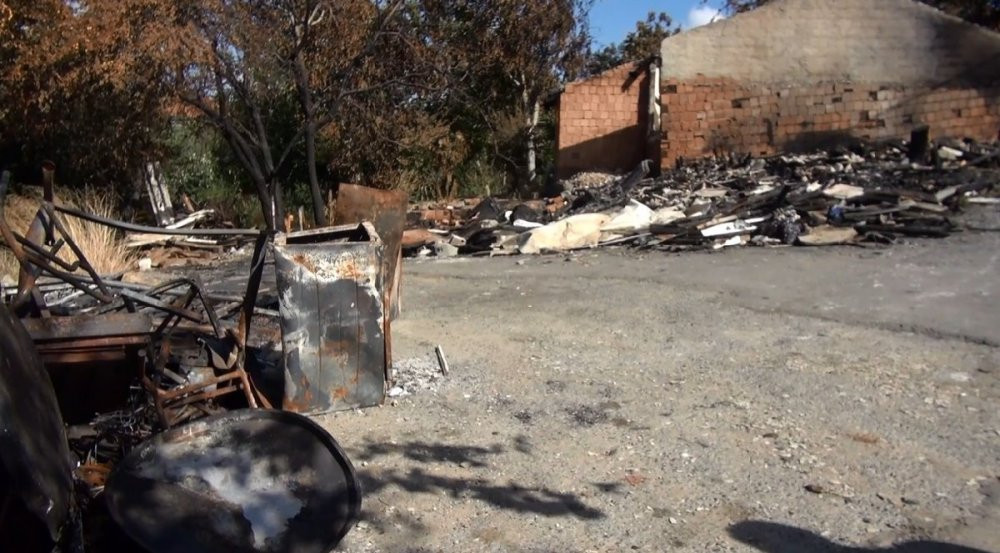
[
  {"x": 8, "y": 266},
  {"x": 104, "y": 247},
  {"x": 20, "y": 210}
]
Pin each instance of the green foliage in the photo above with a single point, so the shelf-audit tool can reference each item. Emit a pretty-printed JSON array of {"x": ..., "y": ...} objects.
[
  {"x": 199, "y": 165},
  {"x": 480, "y": 177}
]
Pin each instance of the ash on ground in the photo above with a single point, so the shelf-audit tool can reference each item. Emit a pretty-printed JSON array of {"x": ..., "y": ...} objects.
[{"x": 415, "y": 375}]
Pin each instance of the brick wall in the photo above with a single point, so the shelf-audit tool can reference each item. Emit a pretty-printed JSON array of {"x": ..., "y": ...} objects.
[
  {"x": 706, "y": 116},
  {"x": 792, "y": 75},
  {"x": 602, "y": 122},
  {"x": 802, "y": 74}
]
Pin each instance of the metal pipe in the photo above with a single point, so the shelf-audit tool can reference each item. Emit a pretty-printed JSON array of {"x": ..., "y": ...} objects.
[
  {"x": 130, "y": 227},
  {"x": 49, "y": 209}
]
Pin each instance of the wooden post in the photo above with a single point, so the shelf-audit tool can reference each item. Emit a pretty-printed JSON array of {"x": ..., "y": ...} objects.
[{"x": 159, "y": 194}]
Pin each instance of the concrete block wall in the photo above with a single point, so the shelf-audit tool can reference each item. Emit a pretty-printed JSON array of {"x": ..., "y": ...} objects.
[
  {"x": 603, "y": 122},
  {"x": 807, "y": 41},
  {"x": 802, "y": 74},
  {"x": 792, "y": 75},
  {"x": 711, "y": 115}
]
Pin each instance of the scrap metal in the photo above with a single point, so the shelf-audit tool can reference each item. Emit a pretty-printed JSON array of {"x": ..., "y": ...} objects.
[
  {"x": 247, "y": 481},
  {"x": 178, "y": 353},
  {"x": 33, "y": 448},
  {"x": 386, "y": 211},
  {"x": 121, "y": 317}
]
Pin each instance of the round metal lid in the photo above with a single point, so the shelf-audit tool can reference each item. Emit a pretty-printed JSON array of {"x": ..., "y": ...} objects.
[{"x": 251, "y": 481}]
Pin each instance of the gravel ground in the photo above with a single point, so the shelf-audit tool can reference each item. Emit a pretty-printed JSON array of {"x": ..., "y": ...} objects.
[{"x": 776, "y": 400}]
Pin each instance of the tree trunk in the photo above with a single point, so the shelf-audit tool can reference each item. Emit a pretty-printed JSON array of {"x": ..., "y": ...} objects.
[
  {"x": 256, "y": 175},
  {"x": 264, "y": 197},
  {"x": 319, "y": 213},
  {"x": 309, "y": 112},
  {"x": 532, "y": 122},
  {"x": 533, "y": 109},
  {"x": 279, "y": 202}
]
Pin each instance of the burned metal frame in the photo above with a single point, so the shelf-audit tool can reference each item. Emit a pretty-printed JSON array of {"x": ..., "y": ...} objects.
[
  {"x": 36, "y": 260},
  {"x": 176, "y": 400}
]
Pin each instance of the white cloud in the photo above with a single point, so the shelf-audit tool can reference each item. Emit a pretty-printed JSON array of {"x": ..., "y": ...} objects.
[{"x": 703, "y": 15}]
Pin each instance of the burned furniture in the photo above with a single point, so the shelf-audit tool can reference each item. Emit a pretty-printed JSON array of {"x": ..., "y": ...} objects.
[
  {"x": 91, "y": 359},
  {"x": 213, "y": 362}
]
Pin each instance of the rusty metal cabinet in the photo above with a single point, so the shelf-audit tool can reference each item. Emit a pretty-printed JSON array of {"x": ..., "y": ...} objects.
[{"x": 334, "y": 332}]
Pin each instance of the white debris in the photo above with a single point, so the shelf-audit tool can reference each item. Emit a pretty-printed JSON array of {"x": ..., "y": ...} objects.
[
  {"x": 577, "y": 231},
  {"x": 843, "y": 191},
  {"x": 633, "y": 217}
]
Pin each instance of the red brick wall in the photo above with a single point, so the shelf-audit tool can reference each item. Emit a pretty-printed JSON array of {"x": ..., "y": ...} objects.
[
  {"x": 705, "y": 116},
  {"x": 602, "y": 122}
]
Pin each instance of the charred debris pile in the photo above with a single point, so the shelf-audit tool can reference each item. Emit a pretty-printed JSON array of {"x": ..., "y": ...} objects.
[
  {"x": 875, "y": 194},
  {"x": 146, "y": 412}
]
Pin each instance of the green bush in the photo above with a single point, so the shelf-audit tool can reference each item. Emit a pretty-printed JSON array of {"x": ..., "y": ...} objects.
[{"x": 201, "y": 166}]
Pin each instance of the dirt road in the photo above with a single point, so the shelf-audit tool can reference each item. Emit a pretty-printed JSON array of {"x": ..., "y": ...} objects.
[{"x": 778, "y": 400}]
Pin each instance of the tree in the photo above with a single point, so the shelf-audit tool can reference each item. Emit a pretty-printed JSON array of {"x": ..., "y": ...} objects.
[
  {"x": 638, "y": 44},
  {"x": 505, "y": 58},
  {"x": 648, "y": 35},
  {"x": 247, "y": 56},
  {"x": 236, "y": 65},
  {"x": 740, "y": 6},
  {"x": 55, "y": 102},
  {"x": 374, "y": 91},
  {"x": 383, "y": 69}
]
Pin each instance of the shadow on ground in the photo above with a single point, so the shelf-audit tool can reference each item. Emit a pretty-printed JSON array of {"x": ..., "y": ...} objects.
[
  {"x": 511, "y": 496},
  {"x": 429, "y": 453},
  {"x": 770, "y": 537}
]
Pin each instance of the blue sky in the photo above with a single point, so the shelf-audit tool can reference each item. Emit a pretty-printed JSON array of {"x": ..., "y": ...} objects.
[{"x": 610, "y": 20}]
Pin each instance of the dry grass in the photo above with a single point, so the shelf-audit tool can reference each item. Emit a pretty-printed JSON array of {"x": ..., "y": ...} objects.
[
  {"x": 103, "y": 246},
  {"x": 8, "y": 267}
]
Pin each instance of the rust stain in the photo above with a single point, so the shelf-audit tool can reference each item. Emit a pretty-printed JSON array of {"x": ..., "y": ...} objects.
[
  {"x": 305, "y": 262},
  {"x": 339, "y": 393},
  {"x": 337, "y": 350},
  {"x": 290, "y": 405},
  {"x": 349, "y": 269},
  {"x": 302, "y": 402}
]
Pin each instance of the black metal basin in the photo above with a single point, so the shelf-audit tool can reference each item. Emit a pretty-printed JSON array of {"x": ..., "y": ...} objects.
[{"x": 246, "y": 481}]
